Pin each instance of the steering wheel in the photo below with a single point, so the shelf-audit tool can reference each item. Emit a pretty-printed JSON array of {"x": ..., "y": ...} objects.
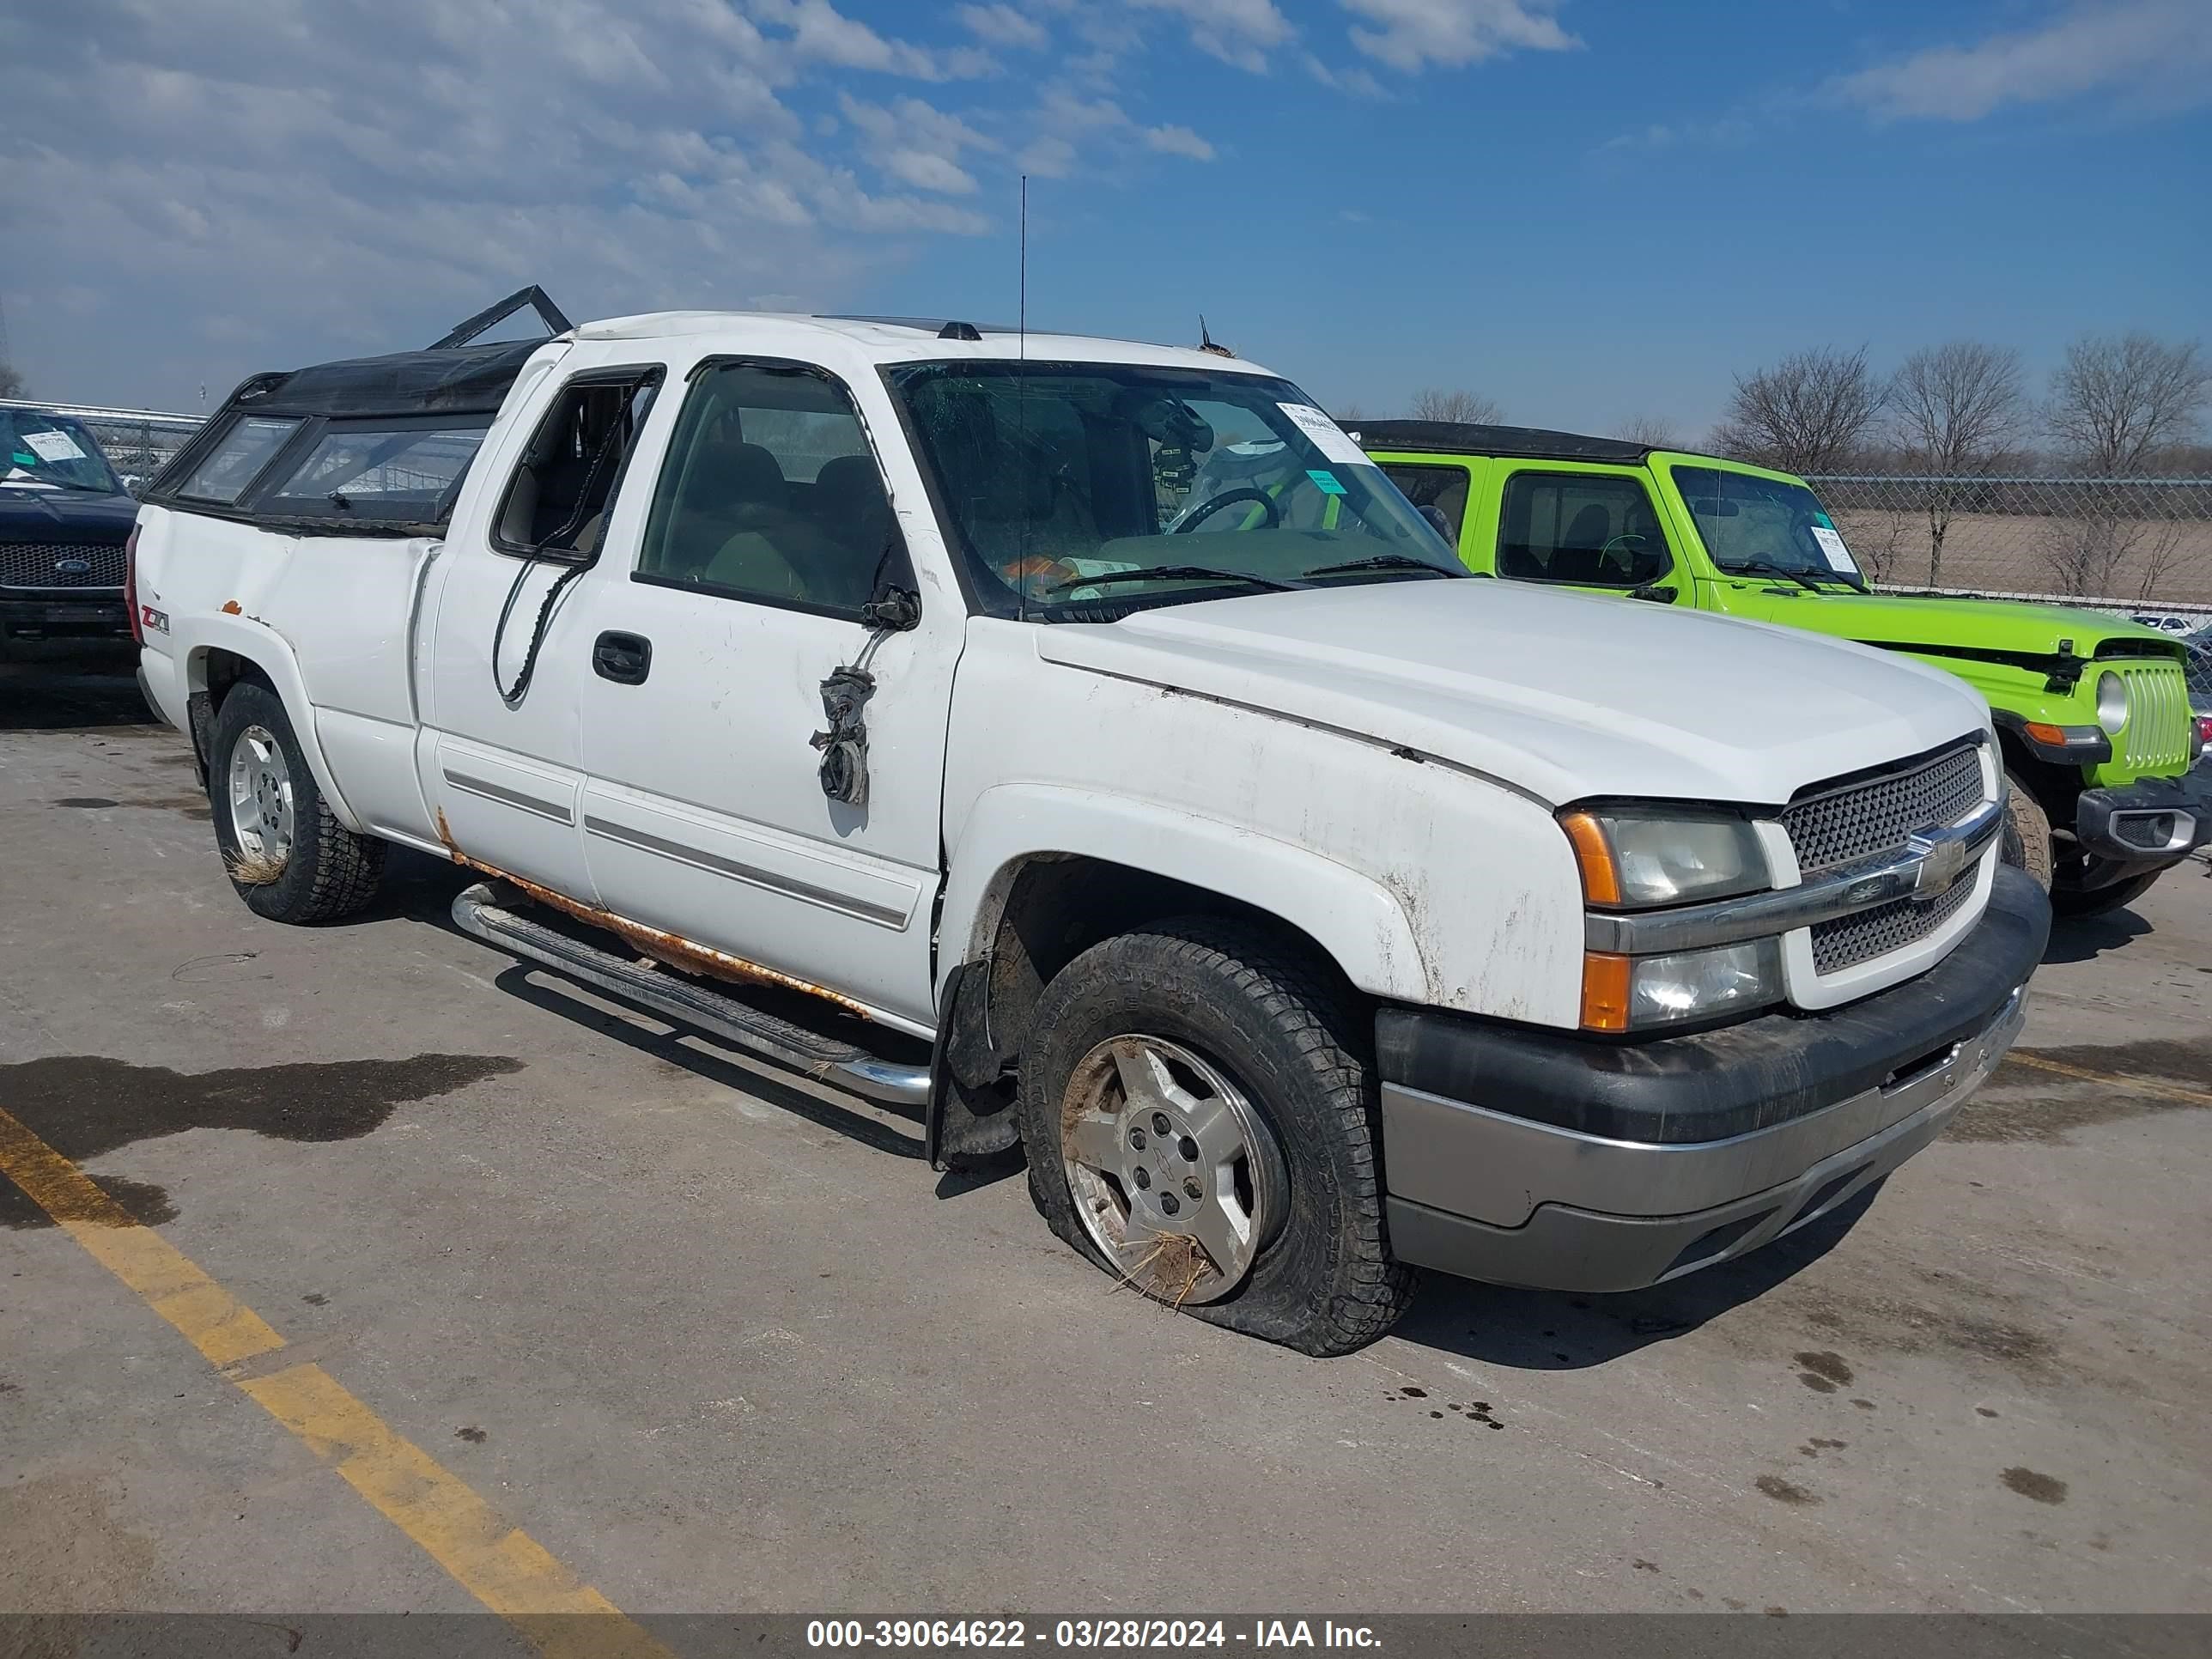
[
  {"x": 1226, "y": 498},
  {"x": 1626, "y": 549}
]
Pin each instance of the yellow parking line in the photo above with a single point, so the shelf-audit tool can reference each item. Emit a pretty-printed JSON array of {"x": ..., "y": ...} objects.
[
  {"x": 502, "y": 1566},
  {"x": 2139, "y": 1085}
]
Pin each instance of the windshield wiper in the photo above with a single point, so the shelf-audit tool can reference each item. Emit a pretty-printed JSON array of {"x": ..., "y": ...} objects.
[
  {"x": 1767, "y": 567},
  {"x": 1177, "y": 572},
  {"x": 59, "y": 483},
  {"x": 1383, "y": 562}
]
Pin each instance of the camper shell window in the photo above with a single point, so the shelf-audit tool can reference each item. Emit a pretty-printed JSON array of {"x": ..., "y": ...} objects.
[{"x": 375, "y": 445}]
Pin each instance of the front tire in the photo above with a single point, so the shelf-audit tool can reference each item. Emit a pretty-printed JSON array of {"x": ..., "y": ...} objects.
[
  {"x": 287, "y": 853},
  {"x": 1256, "y": 1056},
  {"x": 2025, "y": 841}
]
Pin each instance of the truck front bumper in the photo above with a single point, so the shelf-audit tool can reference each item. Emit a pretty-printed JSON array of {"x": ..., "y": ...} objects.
[
  {"x": 35, "y": 624},
  {"x": 2147, "y": 825},
  {"x": 1524, "y": 1158}
]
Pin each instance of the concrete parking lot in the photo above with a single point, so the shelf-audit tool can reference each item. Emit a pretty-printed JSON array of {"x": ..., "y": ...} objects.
[{"x": 718, "y": 1343}]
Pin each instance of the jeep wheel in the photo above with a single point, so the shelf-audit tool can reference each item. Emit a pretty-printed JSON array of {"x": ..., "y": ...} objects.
[
  {"x": 2069, "y": 900},
  {"x": 1200, "y": 1121},
  {"x": 287, "y": 853}
]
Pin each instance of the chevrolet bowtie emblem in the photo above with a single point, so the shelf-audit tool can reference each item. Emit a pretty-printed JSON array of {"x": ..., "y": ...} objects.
[{"x": 1941, "y": 863}]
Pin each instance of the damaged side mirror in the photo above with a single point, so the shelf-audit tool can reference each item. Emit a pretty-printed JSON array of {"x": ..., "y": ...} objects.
[{"x": 893, "y": 610}]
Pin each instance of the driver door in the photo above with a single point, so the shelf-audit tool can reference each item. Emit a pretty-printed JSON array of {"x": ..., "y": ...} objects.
[
  {"x": 731, "y": 590},
  {"x": 1590, "y": 528}
]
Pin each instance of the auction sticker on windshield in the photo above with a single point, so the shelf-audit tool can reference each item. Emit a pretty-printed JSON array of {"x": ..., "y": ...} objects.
[
  {"x": 54, "y": 446},
  {"x": 1839, "y": 556},
  {"x": 1328, "y": 436}
]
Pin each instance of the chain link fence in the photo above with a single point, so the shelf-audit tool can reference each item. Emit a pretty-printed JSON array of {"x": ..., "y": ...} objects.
[
  {"x": 2134, "y": 540},
  {"x": 2140, "y": 548}
]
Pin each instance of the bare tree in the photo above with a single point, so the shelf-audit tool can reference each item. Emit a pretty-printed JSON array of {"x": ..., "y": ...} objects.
[
  {"x": 11, "y": 381},
  {"x": 1436, "y": 404},
  {"x": 1955, "y": 410},
  {"x": 1348, "y": 414},
  {"x": 2117, "y": 402},
  {"x": 1656, "y": 430},
  {"x": 1877, "y": 537},
  {"x": 1807, "y": 413},
  {"x": 2121, "y": 407}
]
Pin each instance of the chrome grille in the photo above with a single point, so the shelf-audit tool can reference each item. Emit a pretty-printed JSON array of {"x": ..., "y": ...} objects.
[
  {"x": 31, "y": 564},
  {"x": 2156, "y": 737},
  {"x": 1849, "y": 940},
  {"x": 1873, "y": 819}
]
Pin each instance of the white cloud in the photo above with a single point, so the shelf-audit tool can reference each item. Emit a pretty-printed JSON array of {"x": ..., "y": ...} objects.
[
  {"x": 1178, "y": 141},
  {"x": 1356, "y": 80},
  {"x": 822, "y": 33},
  {"x": 1237, "y": 32},
  {"x": 1451, "y": 34},
  {"x": 2157, "y": 54},
  {"x": 1716, "y": 133},
  {"x": 1002, "y": 25},
  {"x": 1065, "y": 124},
  {"x": 352, "y": 175},
  {"x": 1049, "y": 156},
  {"x": 917, "y": 143}
]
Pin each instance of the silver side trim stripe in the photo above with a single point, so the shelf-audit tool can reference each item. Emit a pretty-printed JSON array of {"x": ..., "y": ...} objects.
[
  {"x": 1934, "y": 860},
  {"x": 882, "y": 915},
  {"x": 557, "y": 811}
]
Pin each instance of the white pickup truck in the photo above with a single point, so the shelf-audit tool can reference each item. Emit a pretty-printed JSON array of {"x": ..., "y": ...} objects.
[{"x": 1081, "y": 745}]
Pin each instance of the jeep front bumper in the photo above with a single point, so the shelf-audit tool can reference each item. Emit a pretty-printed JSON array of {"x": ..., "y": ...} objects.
[
  {"x": 1525, "y": 1157},
  {"x": 2146, "y": 825}
]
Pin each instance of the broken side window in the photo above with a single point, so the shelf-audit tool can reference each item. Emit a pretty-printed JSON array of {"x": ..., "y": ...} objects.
[{"x": 557, "y": 503}]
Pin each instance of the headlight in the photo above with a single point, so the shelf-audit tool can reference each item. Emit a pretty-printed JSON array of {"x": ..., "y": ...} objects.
[
  {"x": 1638, "y": 859},
  {"x": 2111, "y": 702},
  {"x": 1633, "y": 994}
]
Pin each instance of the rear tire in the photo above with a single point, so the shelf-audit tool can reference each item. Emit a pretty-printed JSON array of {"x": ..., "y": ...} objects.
[
  {"x": 1259, "y": 1041},
  {"x": 287, "y": 853},
  {"x": 2027, "y": 836}
]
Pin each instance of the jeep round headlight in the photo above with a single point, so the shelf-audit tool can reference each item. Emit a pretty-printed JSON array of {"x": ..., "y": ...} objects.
[
  {"x": 1640, "y": 858},
  {"x": 2111, "y": 702}
]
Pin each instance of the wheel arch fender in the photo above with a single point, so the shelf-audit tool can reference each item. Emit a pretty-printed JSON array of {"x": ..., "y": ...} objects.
[
  {"x": 1355, "y": 920},
  {"x": 247, "y": 643}
]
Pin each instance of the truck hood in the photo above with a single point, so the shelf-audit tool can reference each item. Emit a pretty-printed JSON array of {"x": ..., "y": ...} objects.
[
  {"x": 1936, "y": 623},
  {"x": 1561, "y": 696},
  {"x": 51, "y": 514}
]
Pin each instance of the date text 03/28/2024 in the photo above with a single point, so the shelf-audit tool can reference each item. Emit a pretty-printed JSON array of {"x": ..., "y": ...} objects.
[{"x": 1165, "y": 1633}]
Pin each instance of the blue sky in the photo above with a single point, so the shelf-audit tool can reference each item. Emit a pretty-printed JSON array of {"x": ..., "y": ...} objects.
[{"x": 1587, "y": 209}]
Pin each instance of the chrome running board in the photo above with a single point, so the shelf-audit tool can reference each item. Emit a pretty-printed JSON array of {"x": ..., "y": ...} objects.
[{"x": 477, "y": 912}]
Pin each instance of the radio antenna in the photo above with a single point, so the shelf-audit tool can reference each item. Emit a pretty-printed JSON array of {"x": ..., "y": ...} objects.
[{"x": 1021, "y": 387}]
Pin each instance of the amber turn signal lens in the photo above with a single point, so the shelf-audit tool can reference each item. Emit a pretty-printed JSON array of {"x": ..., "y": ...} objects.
[
  {"x": 1605, "y": 991},
  {"x": 2043, "y": 732},
  {"x": 1601, "y": 885}
]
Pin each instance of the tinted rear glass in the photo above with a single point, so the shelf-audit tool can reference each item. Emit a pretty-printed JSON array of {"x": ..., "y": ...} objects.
[
  {"x": 235, "y": 461},
  {"x": 372, "y": 470}
]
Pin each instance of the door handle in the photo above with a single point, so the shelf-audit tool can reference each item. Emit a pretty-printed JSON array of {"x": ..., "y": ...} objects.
[{"x": 625, "y": 659}]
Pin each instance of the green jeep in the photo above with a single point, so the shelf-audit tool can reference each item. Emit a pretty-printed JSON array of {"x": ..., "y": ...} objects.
[{"x": 2092, "y": 712}]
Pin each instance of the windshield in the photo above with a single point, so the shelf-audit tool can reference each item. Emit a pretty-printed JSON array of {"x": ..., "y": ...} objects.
[
  {"x": 1748, "y": 522},
  {"x": 1077, "y": 490},
  {"x": 51, "y": 451}
]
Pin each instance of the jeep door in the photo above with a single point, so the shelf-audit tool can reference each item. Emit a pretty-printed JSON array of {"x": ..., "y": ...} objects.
[{"x": 1591, "y": 527}]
